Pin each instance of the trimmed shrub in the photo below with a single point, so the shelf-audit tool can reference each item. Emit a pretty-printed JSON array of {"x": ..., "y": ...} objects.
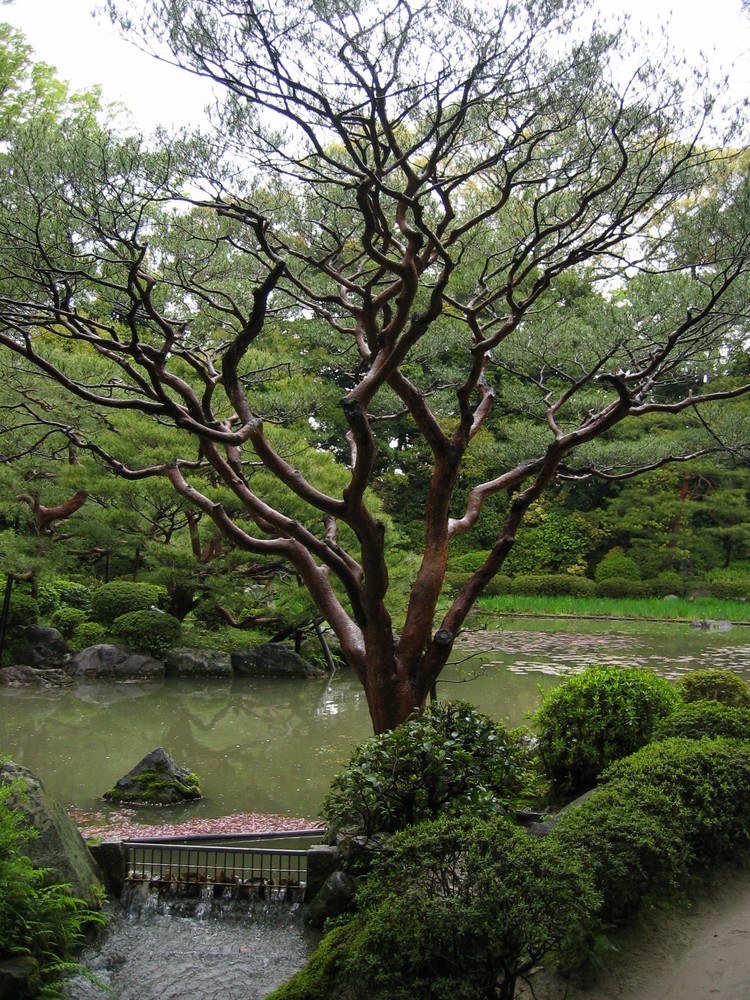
[
  {"x": 89, "y": 634},
  {"x": 714, "y": 685},
  {"x": 618, "y": 586},
  {"x": 553, "y": 585},
  {"x": 661, "y": 811},
  {"x": 498, "y": 586},
  {"x": 633, "y": 845},
  {"x": 617, "y": 566},
  {"x": 66, "y": 620},
  {"x": 23, "y": 609},
  {"x": 729, "y": 590},
  {"x": 666, "y": 583},
  {"x": 153, "y": 632},
  {"x": 450, "y": 760},
  {"x": 461, "y": 910},
  {"x": 112, "y": 600},
  {"x": 595, "y": 717},
  {"x": 710, "y": 779},
  {"x": 705, "y": 720}
]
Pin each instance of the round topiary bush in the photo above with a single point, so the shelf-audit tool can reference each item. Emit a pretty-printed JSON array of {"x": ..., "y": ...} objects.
[
  {"x": 23, "y": 610},
  {"x": 659, "y": 813},
  {"x": 617, "y": 565},
  {"x": 153, "y": 632},
  {"x": 88, "y": 634},
  {"x": 66, "y": 620},
  {"x": 596, "y": 717},
  {"x": 618, "y": 586},
  {"x": 450, "y": 760},
  {"x": 665, "y": 584},
  {"x": 714, "y": 685},
  {"x": 700, "y": 720},
  {"x": 112, "y": 600}
]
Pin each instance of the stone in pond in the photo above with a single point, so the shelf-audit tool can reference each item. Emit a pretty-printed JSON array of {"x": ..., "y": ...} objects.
[{"x": 156, "y": 781}]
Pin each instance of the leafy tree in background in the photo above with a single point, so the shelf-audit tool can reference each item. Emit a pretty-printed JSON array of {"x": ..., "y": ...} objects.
[{"x": 412, "y": 229}]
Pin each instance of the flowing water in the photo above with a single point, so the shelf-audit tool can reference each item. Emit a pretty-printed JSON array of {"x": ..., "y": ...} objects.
[
  {"x": 152, "y": 952},
  {"x": 271, "y": 746}
]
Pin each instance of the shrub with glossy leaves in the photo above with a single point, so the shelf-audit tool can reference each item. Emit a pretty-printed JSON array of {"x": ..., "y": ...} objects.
[
  {"x": 153, "y": 632},
  {"x": 714, "y": 685},
  {"x": 596, "y": 717},
  {"x": 452, "y": 759},
  {"x": 459, "y": 910}
]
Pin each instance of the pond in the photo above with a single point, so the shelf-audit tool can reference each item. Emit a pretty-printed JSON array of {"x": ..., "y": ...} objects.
[{"x": 272, "y": 746}]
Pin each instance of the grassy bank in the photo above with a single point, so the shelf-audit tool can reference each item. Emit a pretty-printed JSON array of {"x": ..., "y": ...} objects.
[{"x": 646, "y": 608}]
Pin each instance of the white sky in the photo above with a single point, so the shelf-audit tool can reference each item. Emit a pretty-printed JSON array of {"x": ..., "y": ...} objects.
[{"x": 87, "y": 52}]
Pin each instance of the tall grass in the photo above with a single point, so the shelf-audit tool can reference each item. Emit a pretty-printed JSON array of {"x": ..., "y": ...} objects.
[{"x": 654, "y": 608}]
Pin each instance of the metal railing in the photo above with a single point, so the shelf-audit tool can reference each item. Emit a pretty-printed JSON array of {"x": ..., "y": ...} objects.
[{"x": 236, "y": 872}]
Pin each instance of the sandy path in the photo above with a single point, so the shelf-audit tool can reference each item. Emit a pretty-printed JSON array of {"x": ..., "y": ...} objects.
[{"x": 697, "y": 952}]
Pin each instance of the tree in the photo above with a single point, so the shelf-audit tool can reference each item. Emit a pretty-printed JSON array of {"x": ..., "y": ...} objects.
[{"x": 408, "y": 206}]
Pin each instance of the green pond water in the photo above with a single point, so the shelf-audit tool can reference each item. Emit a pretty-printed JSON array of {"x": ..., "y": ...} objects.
[{"x": 271, "y": 746}]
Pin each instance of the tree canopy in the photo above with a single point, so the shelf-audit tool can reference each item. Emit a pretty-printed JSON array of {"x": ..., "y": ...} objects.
[{"x": 477, "y": 235}]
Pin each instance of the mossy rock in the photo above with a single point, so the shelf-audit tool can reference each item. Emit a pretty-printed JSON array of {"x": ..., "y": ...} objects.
[{"x": 156, "y": 780}]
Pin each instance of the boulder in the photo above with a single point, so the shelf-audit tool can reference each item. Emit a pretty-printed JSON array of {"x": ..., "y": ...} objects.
[
  {"x": 21, "y": 676},
  {"x": 198, "y": 663},
  {"x": 707, "y": 625},
  {"x": 117, "y": 662},
  {"x": 156, "y": 780},
  {"x": 59, "y": 846},
  {"x": 20, "y": 978},
  {"x": 336, "y": 897},
  {"x": 272, "y": 660},
  {"x": 35, "y": 646}
]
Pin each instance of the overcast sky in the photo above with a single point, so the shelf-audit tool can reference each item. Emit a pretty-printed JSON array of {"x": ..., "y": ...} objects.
[{"x": 88, "y": 51}]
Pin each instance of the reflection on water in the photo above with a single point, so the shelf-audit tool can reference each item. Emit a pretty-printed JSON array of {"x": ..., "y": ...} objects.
[{"x": 271, "y": 746}]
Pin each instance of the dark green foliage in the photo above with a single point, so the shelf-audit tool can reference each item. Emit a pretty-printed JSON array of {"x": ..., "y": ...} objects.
[
  {"x": 452, "y": 759},
  {"x": 633, "y": 845},
  {"x": 89, "y": 634},
  {"x": 672, "y": 805},
  {"x": 710, "y": 779},
  {"x": 618, "y": 586},
  {"x": 151, "y": 632},
  {"x": 666, "y": 583},
  {"x": 596, "y": 717},
  {"x": 66, "y": 620},
  {"x": 705, "y": 719},
  {"x": 324, "y": 977},
  {"x": 714, "y": 685},
  {"x": 23, "y": 610},
  {"x": 553, "y": 585},
  {"x": 730, "y": 590},
  {"x": 37, "y": 919},
  {"x": 112, "y": 600},
  {"x": 618, "y": 566},
  {"x": 74, "y": 595},
  {"x": 459, "y": 910}
]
